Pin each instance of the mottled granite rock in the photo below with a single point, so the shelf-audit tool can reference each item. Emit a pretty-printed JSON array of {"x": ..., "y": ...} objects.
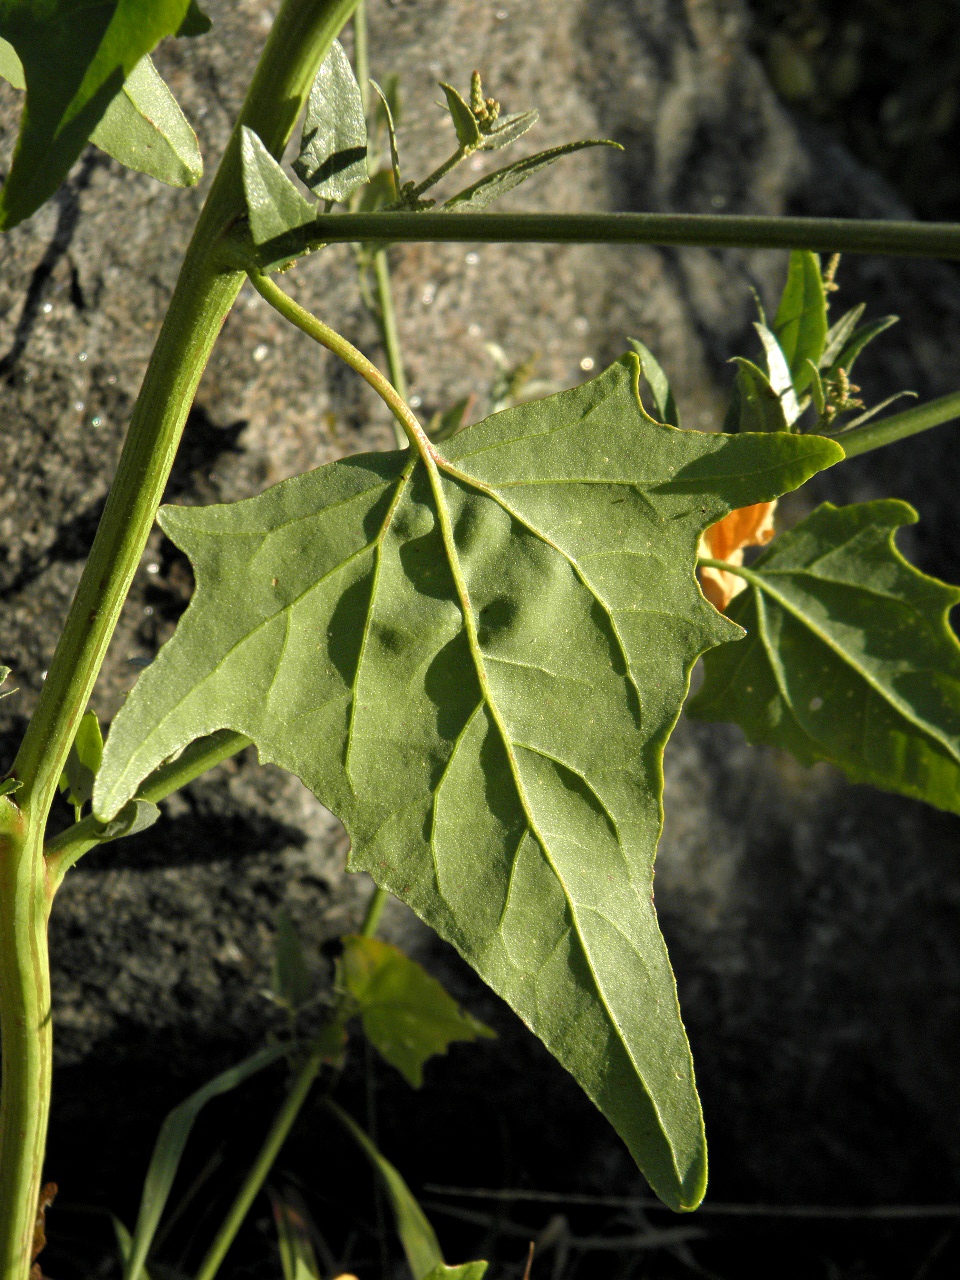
[{"x": 814, "y": 925}]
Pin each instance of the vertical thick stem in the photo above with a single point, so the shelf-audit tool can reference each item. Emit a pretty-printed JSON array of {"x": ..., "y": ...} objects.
[
  {"x": 299, "y": 41},
  {"x": 25, "y": 1035}
]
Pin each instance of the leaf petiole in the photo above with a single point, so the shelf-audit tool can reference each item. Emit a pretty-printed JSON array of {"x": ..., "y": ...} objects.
[{"x": 338, "y": 344}]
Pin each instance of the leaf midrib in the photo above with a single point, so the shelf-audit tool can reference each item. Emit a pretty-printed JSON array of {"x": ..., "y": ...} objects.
[{"x": 477, "y": 655}]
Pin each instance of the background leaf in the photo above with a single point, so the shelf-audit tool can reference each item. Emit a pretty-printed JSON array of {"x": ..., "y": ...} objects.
[
  {"x": 464, "y": 121},
  {"x": 494, "y": 185},
  {"x": 169, "y": 1147},
  {"x": 76, "y": 58},
  {"x": 663, "y": 400},
  {"x": 419, "y": 1240},
  {"x": 274, "y": 205},
  {"x": 143, "y": 127},
  {"x": 801, "y": 320},
  {"x": 849, "y": 655},
  {"x": 83, "y": 761},
  {"x": 755, "y": 405},
  {"x": 406, "y": 1014},
  {"x": 297, "y": 1256},
  {"x": 476, "y": 667},
  {"x": 333, "y": 146},
  {"x": 466, "y": 1271}
]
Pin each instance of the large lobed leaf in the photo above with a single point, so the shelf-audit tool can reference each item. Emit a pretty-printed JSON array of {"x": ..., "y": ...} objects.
[
  {"x": 849, "y": 655},
  {"x": 476, "y": 663},
  {"x": 76, "y": 56}
]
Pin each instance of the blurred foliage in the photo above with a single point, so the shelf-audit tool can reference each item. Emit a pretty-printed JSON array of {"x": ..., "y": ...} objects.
[{"x": 885, "y": 75}]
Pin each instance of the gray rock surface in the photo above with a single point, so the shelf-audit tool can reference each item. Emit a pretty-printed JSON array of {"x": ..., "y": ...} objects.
[{"x": 814, "y": 925}]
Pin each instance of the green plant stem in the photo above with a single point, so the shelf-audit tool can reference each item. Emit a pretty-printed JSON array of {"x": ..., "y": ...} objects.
[
  {"x": 298, "y": 42},
  {"x": 361, "y": 54},
  {"x": 874, "y": 435},
  {"x": 261, "y": 1167},
  {"x": 338, "y": 344},
  {"x": 371, "y": 921},
  {"x": 438, "y": 174},
  {"x": 737, "y": 569},
  {"x": 388, "y": 328},
  {"x": 69, "y": 846},
  {"x": 827, "y": 235}
]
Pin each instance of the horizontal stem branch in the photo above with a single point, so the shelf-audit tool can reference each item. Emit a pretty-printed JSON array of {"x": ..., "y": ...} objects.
[
  {"x": 827, "y": 235},
  {"x": 874, "y": 435}
]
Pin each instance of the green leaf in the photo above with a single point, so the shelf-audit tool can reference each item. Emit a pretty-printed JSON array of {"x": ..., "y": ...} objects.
[
  {"x": 447, "y": 424},
  {"x": 801, "y": 320},
  {"x": 125, "y": 1244},
  {"x": 83, "y": 761},
  {"x": 297, "y": 1256},
  {"x": 387, "y": 112},
  {"x": 755, "y": 402},
  {"x": 9, "y": 785},
  {"x": 333, "y": 146},
  {"x": 274, "y": 204},
  {"x": 859, "y": 339},
  {"x": 508, "y": 129},
  {"x": 464, "y": 121},
  {"x": 476, "y": 198},
  {"x": 406, "y": 1014},
  {"x": 292, "y": 980},
  {"x": 466, "y": 1271},
  {"x": 779, "y": 375},
  {"x": 135, "y": 816},
  {"x": 663, "y": 400},
  {"x": 418, "y": 1238},
  {"x": 4, "y": 672},
  {"x": 838, "y": 334},
  {"x": 143, "y": 127},
  {"x": 476, "y": 665},
  {"x": 76, "y": 58},
  {"x": 169, "y": 1148},
  {"x": 849, "y": 655}
]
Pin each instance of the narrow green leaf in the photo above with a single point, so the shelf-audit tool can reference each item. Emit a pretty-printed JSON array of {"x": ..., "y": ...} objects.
[
  {"x": 849, "y": 655},
  {"x": 169, "y": 1148},
  {"x": 297, "y": 1256},
  {"x": 333, "y": 146},
  {"x": 872, "y": 412},
  {"x": 816, "y": 390},
  {"x": 508, "y": 129},
  {"x": 494, "y": 185},
  {"x": 464, "y": 121},
  {"x": 466, "y": 1271},
  {"x": 447, "y": 424},
  {"x": 274, "y": 205},
  {"x": 476, "y": 665},
  {"x": 418, "y": 1238},
  {"x": 83, "y": 761},
  {"x": 75, "y": 60},
  {"x": 778, "y": 372},
  {"x": 125, "y": 1244},
  {"x": 9, "y": 785},
  {"x": 758, "y": 405},
  {"x": 135, "y": 816},
  {"x": 4, "y": 672},
  {"x": 406, "y": 1014},
  {"x": 658, "y": 383},
  {"x": 859, "y": 339},
  {"x": 292, "y": 980},
  {"x": 838, "y": 334},
  {"x": 387, "y": 111},
  {"x": 143, "y": 127},
  {"x": 801, "y": 320}
]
